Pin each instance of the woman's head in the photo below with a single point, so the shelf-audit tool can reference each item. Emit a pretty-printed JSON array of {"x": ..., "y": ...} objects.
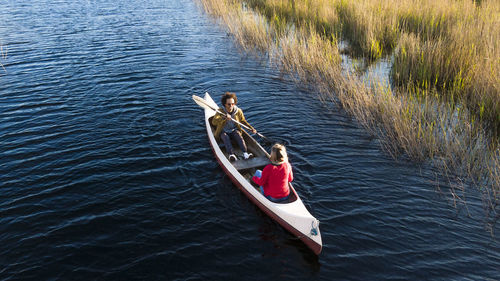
[{"x": 278, "y": 154}]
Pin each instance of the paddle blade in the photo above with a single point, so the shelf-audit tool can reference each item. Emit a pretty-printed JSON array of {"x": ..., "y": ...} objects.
[
  {"x": 265, "y": 140},
  {"x": 201, "y": 102}
]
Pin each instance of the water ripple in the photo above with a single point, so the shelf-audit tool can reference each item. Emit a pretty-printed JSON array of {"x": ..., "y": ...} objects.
[{"x": 106, "y": 171}]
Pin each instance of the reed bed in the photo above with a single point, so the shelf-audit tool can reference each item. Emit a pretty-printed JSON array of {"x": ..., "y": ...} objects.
[
  {"x": 461, "y": 59},
  {"x": 413, "y": 119},
  {"x": 450, "y": 45}
]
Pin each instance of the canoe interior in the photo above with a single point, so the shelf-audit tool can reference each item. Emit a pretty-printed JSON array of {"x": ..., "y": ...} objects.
[{"x": 248, "y": 167}]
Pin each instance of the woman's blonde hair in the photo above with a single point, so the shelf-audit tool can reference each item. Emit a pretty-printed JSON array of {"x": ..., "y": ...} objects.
[{"x": 278, "y": 154}]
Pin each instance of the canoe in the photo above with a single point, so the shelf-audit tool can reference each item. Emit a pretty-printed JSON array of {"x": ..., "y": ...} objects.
[{"x": 292, "y": 214}]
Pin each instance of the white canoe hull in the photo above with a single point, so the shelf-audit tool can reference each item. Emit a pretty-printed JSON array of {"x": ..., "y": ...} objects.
[{"x": 293, "y": 216}]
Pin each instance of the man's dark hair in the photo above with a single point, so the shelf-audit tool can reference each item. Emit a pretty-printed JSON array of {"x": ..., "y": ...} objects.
[{"x": 228, "y": 95}]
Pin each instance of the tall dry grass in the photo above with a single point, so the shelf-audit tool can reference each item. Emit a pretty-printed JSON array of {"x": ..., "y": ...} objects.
[
  {"x": 451, "y": 45},
  {"x": 455, "y": 48},
  {"x": 409, "y": 120}
]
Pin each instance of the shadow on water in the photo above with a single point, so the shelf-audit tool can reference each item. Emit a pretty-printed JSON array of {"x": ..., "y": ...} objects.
[
  {"x": 282, "y": 241},
  {"x": 279, "y": 242}
]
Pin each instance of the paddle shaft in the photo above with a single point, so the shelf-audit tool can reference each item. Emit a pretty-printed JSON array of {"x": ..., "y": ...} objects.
[{"x": 201, "y": 102}]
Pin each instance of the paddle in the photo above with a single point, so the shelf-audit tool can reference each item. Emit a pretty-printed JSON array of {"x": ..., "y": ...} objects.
[{"x": 203, "y": 103}]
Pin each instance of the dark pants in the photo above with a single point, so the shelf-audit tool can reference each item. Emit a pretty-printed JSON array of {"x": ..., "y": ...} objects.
[{"x": 235, "y": 135}]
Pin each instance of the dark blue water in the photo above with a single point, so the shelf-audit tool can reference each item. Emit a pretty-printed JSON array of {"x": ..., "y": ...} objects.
[{"x": 106, "y": 172}]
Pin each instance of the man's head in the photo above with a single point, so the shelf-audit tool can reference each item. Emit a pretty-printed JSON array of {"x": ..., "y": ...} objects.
[{"x": 229, "y": 101}]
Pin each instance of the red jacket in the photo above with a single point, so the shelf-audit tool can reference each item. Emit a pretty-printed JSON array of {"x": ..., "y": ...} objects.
[{"x": 275, "y": 179}]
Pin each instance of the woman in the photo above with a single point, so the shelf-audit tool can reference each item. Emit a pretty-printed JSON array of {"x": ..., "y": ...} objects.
[
  {"x": 226, "y": 129},
  {"x": 274, "y": 179}
]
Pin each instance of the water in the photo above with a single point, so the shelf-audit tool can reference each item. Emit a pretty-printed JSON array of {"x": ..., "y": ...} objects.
[{"x": 106, "y": 172}]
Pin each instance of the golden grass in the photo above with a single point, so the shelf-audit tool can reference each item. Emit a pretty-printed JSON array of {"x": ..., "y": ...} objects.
[
  {"x": 414, "y": 119},
  {"x": 455, "y": 49},
  {"x": 451, "y": 45}
]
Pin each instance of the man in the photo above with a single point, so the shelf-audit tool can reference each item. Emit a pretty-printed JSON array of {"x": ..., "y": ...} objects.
[{"x": 227, "y": 129}]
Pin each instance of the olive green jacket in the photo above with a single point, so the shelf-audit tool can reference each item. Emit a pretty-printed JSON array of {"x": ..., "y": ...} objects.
[{"x": 219, "y": 121}]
